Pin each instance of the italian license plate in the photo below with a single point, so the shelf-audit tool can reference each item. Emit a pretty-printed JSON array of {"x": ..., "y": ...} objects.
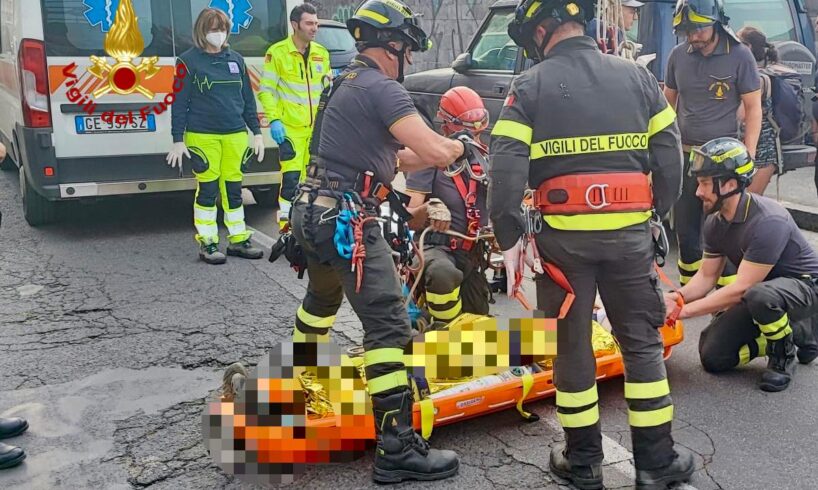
[{"x": 117, "y": 124}]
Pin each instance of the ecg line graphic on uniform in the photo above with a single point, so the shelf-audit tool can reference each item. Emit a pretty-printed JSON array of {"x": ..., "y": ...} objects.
[
  {"x": 201, "y": 83},
  {"x": 719, "y": 86},
  {"x": 237, "y": 10}
]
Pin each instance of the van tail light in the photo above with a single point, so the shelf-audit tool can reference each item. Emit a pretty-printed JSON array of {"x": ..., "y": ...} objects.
[{"x": 34, "y": 84}]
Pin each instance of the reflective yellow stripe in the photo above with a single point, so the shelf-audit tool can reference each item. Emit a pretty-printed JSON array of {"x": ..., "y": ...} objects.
[
  {"x": 373, "y": 15},
  {"x": 761, "y": 341},
  {"x": 694, "y": 267},
  {"x": 528, "y": 382},
  {"x": 745, "y": 168},
  {"x": 513, "y": 129},
  {"x": 301, "y": 337},
  {"x": 378, "y": 356},
  {"x": 774, "y": 326},
  {"x": 780, "y": 334},
  {"x": 743, "y": 355},
  {"x": 589, "y": 144},
  {"x": 442, "y": 299},
  {"x": 427, "y": 417},
  {"x": 684, "y": 280},
  {"x": 661, "y": 120},
  {"x": 692, "y": 17},
  {"x": 597, "y": 221},
  {"x": 643, "y": 391},
  {"x": 447, "y": 314},
  {"x": 730, "y": 154},
  {"x": 314, "y": 321},
  {"x": 581, "y": 419},
  {"x": 387, "y": 382},
  {"x": 533, "y": 8},
  {"x": 726, "y": 280},
  {"x": 576, "y": 400},
  {"x": 651, "y": 418}
]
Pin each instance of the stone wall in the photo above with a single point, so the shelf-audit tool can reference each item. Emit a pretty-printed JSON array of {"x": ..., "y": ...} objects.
[{"x": 449, "y": 23}]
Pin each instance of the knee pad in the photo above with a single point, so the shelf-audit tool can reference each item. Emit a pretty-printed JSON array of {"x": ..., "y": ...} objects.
[
  {"x": 289, "y": 185},
  {"x": 233, "y": 194},
  {"x": 208, "y": 191}
]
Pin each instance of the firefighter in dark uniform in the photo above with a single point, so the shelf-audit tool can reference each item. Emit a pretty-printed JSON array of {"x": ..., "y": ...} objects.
[
  {"x": 365, "y": 119},
  {"x": 771, "y": 307},
  {"x": 588, "y": 169},
  {"x": 453, "y": 276}
]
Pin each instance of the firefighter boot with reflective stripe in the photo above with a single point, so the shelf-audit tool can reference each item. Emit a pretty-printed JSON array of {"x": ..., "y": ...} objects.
[
  {"x": 210, "y": 254},
  {"x": 780, "y": 364},
  {"x": 678, "y": 471},
  {"x": 583, "y": 477},
  {"x": 245, "y": 250},
  {"x": 401, "y": 453}
]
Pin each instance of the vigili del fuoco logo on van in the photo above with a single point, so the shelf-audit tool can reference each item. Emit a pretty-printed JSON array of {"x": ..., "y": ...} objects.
[{"x": 123, "y": 43}]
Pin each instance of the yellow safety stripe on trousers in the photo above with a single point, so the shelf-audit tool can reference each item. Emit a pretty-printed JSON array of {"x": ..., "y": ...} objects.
[
  {"x": 597, "y": 221},
  {"x": 581, "y": 419},
  {"x": 427, "y": 417},
  {"x": 579, "y": 399},
  {"x": 314, "y": 321},
  {"x": 442, "y": 299},
  {"x": 447, "y": 314},
  {"x": 581, "y": 145},
  {"x": 744, "y": 355},
  {"x": 650, "y": 418},
  {"x": 774, "y": 326},
  {"x": 661, "y": 120},
  {"x": 514, "y": 130},
  {"x": 644, "y": 391},
  {"x": 694, "y": 267},
  {"x": 302, "y": 338},
  {"x": 726, "y": 280},
  {"x": 386, "y": 354},
  {"x": 684, "y": 279},
  {"x": 387, "y": 382}
]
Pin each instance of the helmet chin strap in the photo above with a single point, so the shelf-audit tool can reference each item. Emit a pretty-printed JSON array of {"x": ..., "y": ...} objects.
[
  {"x": 401, "y": 54},
  {"x": 721, "y": 197}
]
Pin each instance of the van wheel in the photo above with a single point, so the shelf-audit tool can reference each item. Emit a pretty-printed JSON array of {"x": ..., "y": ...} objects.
[
  {"x": 266, "y": 197},
  {"x": 36, "y": 209}
]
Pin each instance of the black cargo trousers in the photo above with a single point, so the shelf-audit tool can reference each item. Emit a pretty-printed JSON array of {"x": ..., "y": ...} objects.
[
  {"x": 768, "y": 311},
  {"x": 454, "y": 282},
  {"x": 620, "y": 264},
  {"x": 379, "y": 304}
]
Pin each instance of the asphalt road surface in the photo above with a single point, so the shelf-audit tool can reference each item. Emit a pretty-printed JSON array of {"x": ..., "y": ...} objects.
[{"x": 112, "y": 334}]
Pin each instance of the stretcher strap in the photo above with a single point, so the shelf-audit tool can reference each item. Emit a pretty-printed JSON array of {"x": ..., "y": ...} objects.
[
  {"x": 528, "y": 382},
  {"x": 558, "y": 277},
  {"x": 673, "y": 316},
  {"x": 427, "y": 417}
]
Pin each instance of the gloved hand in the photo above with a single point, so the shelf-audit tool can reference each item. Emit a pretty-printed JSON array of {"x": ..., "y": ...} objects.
[
  {"x": 277, "y": 131},
  {"x": 439, "y": 215},
  {"x": 175, "y": 155},
  {"x": 258, "y": 146},
  {"x": 511, "y": 261}
]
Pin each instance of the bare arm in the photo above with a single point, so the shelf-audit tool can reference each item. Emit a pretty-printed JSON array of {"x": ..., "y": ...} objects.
[
  {"x": 417, "y": 206},
  {"x": 700, "y": 284},
  {"x": 749, "y": 274},
  {"x": 751, "y": 102},
  {"x": 672, "y": 97},
  {"x": 431, "y": 149},
  {"x": 410, "y": 161}
]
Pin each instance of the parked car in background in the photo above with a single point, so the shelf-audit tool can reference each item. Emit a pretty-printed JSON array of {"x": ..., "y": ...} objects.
[{"x": 339, "y": 42}]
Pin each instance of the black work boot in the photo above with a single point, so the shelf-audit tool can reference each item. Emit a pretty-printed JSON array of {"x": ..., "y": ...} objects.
[
  {"x": 210, "y": 254},
  {"x": 10, "y": 456},
  {"x": 780, "y": 364},
  {"x": 678, "y": 471},
  {"x": 245, "y": 250},
  {"x": 402, "y": 454},
  {"x": 583, "y": 477},
  {"x": 805, "y": 336},
  {"x": 12, "y": 427}
]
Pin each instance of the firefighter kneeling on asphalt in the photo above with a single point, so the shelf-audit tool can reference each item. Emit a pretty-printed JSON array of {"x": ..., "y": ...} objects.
[
  {"x": 772, "y": 306},
  {"x": 364, "y": 120},
  {"x": 588, "y": 169},
  {"x": 453, "y": 275}
]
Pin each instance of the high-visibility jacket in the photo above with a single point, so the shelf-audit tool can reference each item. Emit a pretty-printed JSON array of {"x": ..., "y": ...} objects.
[
  {"x": 580, "y": 111},
  {"x": 292, "y": 82}
]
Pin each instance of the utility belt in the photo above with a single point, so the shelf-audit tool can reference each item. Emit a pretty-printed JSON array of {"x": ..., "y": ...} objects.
[
  {"x": 454, "y": 243},
  {"x": 594, "y": 193}
]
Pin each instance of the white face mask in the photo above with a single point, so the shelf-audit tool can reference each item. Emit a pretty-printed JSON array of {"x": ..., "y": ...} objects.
[{"x": 216, "y": 39}]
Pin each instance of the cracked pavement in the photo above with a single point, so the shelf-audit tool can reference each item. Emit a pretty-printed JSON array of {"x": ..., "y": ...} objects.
[{"x": 112, "y": 334}]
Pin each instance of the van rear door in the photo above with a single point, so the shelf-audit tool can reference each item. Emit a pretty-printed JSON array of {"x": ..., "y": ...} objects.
[{"x": 109, "y": 104}]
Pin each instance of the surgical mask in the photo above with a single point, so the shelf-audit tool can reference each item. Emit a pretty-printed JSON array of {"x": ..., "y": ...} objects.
[{"x": 216, "y": 39}]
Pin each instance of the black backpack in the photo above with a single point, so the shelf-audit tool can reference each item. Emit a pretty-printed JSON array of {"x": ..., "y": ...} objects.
[{"x": 788, "y": 101}]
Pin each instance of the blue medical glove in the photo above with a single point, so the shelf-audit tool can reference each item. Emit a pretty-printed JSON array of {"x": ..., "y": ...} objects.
[{"x": 277, "y": 131}]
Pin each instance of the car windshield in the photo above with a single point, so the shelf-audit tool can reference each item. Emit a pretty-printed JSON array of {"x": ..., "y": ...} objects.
[
  {"x": 495, "y": 50},
  {"x": 772, "y": 17},
  {"x": 335, "y": 39}
]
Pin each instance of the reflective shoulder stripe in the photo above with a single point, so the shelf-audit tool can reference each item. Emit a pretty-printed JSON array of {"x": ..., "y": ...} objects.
[
  {"x": 597, "y": 221},
  {"x": 589, "y": 144},
  {"x": 644, "y": 391},
  {"x": 514, "y": 130},
  {"x": 661, "y": 120}
]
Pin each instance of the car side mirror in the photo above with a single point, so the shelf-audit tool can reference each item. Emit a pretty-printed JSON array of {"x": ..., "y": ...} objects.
[{"x": 462, "y": 63}]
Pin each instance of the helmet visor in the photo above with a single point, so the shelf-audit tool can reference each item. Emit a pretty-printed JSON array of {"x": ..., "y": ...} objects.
[
  {"x": 698, "y": 162},
  {"x": 476, "y": 119}
]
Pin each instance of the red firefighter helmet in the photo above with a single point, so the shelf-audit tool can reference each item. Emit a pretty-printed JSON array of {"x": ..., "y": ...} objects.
[{"x": 462, "y": 109}]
